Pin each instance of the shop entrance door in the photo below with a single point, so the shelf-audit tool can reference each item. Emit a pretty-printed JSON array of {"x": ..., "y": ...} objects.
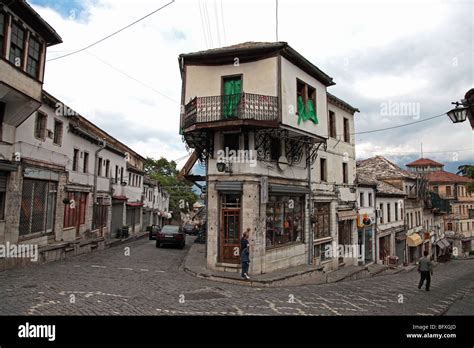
[{"x": 230, "y": 230}]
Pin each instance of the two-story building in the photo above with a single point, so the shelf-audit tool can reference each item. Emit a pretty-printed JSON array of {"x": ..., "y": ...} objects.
[
  {"x": 24, "y": 38},
  {"x": 257, "y": 115},
  {"x": 366, "y": 215}
]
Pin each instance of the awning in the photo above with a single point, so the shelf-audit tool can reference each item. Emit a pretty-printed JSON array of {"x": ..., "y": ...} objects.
[
  {"x": 346, "y": 215},
  {"x": 135, "y": 204},
  {"x": 230, "y": 186},
  {"x": 443, "y": 244},
  {"x": 8, "y": 166},
  {"x": 414, "y": 240},
  {"x": 287, "y": 189},
  {"x": 467, "y": 239}
]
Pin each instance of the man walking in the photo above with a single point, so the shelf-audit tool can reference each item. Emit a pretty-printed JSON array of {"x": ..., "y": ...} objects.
[
  {"x": 245, "y": 254},
  {"x": 425, "y": 267}
]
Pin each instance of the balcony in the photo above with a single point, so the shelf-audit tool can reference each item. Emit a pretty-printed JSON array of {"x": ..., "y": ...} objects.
[{"x": 236, "y": 109}]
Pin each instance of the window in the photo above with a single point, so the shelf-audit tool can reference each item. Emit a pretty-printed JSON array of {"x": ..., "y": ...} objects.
[
  {"x": 121, "y": 174},
  {"x": 411, "y": 220},
  {"x": 381, "y": 213},
  {"x": 361, "y": 200},
  {"x": 17, "y": 45},
  {"x": 99, "y": 167},
  {"x": 306, "y": 102},
  {"x": 130, "y": 179},
  {"x": 389, "y": 213},
  {"x": 450, "y": 226},
  {"x": 322, "y": 217},
  {"x": 347, "y": 136},
  {"x": 345, "y": 176},
  {"x": 107, "y": 168},
  {"x": 323, "y": 171},
  {"x": 58, "y": 132},
  {"x": 38, "y": 206},
  {"x": 275, "y": 149},
  {"x": 396, "y": 211},
  {"x": 75, "y": 159},
  {"x": 407, "y": 222},
  {"x": 34, "y": 54},
  {"x": 370, "y": 199},
  {"x": 435, "y": 189},
  {"x": 285, "y": 222},
  {"x": 232, "y": 89},
  {"x": 85, "y": 166},
  {"x": 75, "y": 214},
  {"x": 332, "y": 124},
  {"x": 231, "y": 142},
  {"x": 40, "y": 125},
  {"x": 448, "y": 191},
  {"x": 2, "y": 33},
  {"x": 116, "y": 173}
]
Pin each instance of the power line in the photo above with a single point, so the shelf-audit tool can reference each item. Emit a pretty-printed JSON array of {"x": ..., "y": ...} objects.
[
  {"x": 202, "y": 24},
  {"x": 114, "y": 33},
  {"x": 217, "y": 23},
  {"x": 399, "y": 126},
  {"x": 223, "y": 23},
  {"x": 415, "y": 152},
  {"x": 131, "y": 77},
  {"x": 206, "y": 16}
]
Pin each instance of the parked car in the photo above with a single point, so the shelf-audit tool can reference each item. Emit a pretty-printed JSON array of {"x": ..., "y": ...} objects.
[
  {"x": 153, "y": 231},
  {"x": 173, "y": 235},
  {"x": 191, "y": 229}
]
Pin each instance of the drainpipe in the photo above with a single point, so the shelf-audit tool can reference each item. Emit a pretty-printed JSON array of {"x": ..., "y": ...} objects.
[
  {"x": 310, "y": 232},
  {"x": 102, "y": 145}
]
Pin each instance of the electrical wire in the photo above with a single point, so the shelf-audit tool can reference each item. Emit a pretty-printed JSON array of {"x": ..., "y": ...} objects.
[
  {"x": 203, "y": 25},
  {"x": 223, "y": 23},
  {"x": 218, "y": 29},
  {"x": 131, "y": 77},
  {"x": 113, "y": 34}
]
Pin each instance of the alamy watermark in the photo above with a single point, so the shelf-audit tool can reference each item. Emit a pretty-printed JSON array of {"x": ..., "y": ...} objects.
[
  {"x": 356, "y": 251},
  {"x": 398, "y": 108},
  {"x": 237, "y": 156},
  {"x": 27, "y": 251}
]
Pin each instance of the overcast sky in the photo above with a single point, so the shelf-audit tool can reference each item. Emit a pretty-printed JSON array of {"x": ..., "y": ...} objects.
[{"x": 382, "y": 56}]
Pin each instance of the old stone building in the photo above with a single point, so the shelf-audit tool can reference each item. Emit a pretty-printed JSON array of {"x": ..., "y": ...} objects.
[
  {"x": 459, "y": 211},
  {"x": 260, "y": 117}
]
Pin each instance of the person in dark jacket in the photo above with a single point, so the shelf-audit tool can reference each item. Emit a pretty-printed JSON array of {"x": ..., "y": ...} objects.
[
  {"x": 245, "y": 254},
  {"x": 425, "y": 267}
]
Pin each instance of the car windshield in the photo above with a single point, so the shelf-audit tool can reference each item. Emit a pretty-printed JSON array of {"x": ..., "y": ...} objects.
[{"x": 170, "y": 229}]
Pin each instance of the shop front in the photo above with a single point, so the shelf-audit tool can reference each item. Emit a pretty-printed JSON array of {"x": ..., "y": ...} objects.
[{"x": 415, "y": 244}]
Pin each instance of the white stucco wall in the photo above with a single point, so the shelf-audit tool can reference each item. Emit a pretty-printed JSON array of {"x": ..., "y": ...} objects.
[
  {"x": 289, "y": 75},
  {"x": 259, "y": 77}
]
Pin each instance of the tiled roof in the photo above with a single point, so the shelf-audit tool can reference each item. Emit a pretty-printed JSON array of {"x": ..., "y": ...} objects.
[
  {"x": 384, "y": 169},
  {"x": 443, "y": 176},
  {"x": 368, "y": 177},
  {"x": 424, "y": 162},
  {"x": 238, "y": 47}
]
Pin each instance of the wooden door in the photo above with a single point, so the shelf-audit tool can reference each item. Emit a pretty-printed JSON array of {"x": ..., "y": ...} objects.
[{"x": 230, "y": 235}]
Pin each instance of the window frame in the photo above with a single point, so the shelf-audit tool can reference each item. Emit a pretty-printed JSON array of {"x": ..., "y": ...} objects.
[
  {"x": 15, "y": 45},
  {"x": 40, "y": 133},
  {"x": 332, "y": 124},
  {"x": 346, "y": 126},
  {"x": 3, "y": 36},
  {"x": 85, "y": 162},
  {"x": 30, "y": 57},
  {"x": 75, "y": 159},
  {"x": 323, "y": 169},
  {"x": 60, "y": 141},
  {"x": 345, "y": 173}
]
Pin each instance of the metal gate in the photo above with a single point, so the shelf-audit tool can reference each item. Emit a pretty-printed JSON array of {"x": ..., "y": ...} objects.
[{"x": 38, "y": 206}]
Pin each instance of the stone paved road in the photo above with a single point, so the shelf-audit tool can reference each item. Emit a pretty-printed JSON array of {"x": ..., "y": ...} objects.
[{"x": 150, "y": 282}]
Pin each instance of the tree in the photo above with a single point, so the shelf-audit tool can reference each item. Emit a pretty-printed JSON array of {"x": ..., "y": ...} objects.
[
  {"x": 467, "y": 171},
  {"x": 181, "y": 193}
]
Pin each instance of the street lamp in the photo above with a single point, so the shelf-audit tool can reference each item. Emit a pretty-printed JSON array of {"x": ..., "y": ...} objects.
[
  {"x": 464, "y": 109},
  {"x": 458, "y": 114}
]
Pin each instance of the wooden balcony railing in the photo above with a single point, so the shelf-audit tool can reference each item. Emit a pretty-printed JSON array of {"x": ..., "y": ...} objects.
[{"x": 244, "y": 106}]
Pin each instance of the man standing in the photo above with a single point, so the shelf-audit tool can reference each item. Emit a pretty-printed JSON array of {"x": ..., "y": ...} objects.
[
  {"x": 245, "y": 254},
  {"x": 425, "y": 267}
]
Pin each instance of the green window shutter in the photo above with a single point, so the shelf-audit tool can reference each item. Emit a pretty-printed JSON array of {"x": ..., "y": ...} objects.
[
  {"x": 312, "y": 113},
  {"x": 232, "y": 91}
]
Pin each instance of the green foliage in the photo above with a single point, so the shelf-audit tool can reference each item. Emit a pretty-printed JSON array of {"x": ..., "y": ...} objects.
[
  {"x": 166, "y": 174},
  {"x": 467, "y": 171}
]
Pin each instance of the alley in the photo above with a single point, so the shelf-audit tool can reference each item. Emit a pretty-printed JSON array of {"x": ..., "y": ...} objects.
[{"x": 139, "y": 279}]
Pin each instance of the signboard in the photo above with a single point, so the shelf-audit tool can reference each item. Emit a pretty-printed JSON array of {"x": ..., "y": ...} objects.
[{"x": 264, "y": 189}]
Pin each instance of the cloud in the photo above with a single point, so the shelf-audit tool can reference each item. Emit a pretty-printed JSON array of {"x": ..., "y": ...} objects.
[{"x": 376, "y": 51}]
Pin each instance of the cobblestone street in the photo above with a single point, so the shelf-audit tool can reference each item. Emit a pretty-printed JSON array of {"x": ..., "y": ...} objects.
[{"x": 150, "y": 282}]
